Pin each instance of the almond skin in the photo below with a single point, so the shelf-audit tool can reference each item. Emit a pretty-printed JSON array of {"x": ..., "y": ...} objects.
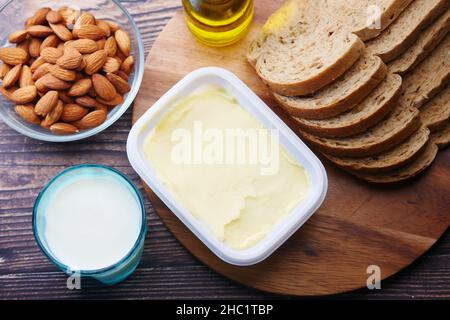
[
  {"x": 84, "y": 46},
  {"x": 40, "y": 16},
  {"x": 54, "y": 17},
  {"x": 51, "y": 82},
  {"x": 80, "y": 88},
  {"x": 65, "y": 98},
  {"x": 39, "y": 31},
  {"x": 63, "y": 74},
  {"x": 27, "y": 113},
  {"x": 103, "y": 87},
  {"x": 91, "y": 120},
  {"x": 87, "y": 102},
  {"x": 95, "y": 62},
  {"x": 25, "y": 77},
  {"x": 12, "y": 76},
  {"x": 111, "y": 65},
  {"x": 41, "y": 71},
  {"x": 46, "y": 103},
  {"x": 53, "y": 116},
  {"x": 104, "y": 26},
  {"x": 127, "y": 65},
  {"x": 85, "y": 19},
  {"x": 51, "y": 55},
  {"x": 13, "y": 56},
  {"x": 24, "y": 95},
  {"x": 62, "y": 128},
  {"x": 120, "y": 84},
  {"x": 36, "y": 64},
  {"x": 73, "y": 112},
  {"x": 61, "y": 31},
  {"x": 111, "y": 47},
  {"x": 34, "y": 47},
  {"x": 71, "y": 59},
  {"x": 18, "y": 36},
  {"x": 90, "y": 31},
  {"x": 51, "y": 41},
  {"x": 118, "y": 99},
  {"x": 123, "y": 41}
]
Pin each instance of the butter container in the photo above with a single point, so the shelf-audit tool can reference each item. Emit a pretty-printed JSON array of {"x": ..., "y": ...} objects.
[{"x": 258, "y": 109}]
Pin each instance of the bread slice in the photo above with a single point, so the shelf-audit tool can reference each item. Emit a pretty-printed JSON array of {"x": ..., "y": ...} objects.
[
  {"x": 422, "y": 161},
  {"x": 341, "y": 95},
  {"x": 406, "y": 29},
  {"x": 307, "y": 44},
  {"x": 442, "y": 137},
  {"x": 389, "y": 160},
  {"x": 428, "y": 78},
  {"x": 365, "y": 115},
  {"x": 398, "y": 126},
  {"x": 426, "y": 43},
  {"x": 436, "y": 113}
]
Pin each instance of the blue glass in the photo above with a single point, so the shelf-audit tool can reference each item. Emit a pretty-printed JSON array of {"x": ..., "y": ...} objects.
[{"x": 108, "y": 275}]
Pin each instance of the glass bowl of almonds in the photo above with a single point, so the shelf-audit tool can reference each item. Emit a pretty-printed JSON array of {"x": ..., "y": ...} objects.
[{"x": 68, "y": 69}]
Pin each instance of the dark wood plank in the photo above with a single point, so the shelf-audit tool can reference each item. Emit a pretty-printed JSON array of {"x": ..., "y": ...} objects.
[{"x": 167, "y": 270}]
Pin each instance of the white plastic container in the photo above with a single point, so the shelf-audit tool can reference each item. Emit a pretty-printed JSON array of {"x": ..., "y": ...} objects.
[{"x": 255, "y": 106}]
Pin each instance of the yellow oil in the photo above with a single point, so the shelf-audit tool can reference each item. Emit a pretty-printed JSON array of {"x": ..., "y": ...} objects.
[{"x": 218, "y": 22}]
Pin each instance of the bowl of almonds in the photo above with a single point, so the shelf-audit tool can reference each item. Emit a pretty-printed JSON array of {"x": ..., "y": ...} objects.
[{"x": 68, "y": 69}]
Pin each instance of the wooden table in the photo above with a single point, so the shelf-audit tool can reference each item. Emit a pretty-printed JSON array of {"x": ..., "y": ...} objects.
[{"x": 167, "y": 270}]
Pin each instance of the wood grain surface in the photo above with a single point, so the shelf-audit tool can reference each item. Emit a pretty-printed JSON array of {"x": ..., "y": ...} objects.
[{"x": 167, "y": 270}]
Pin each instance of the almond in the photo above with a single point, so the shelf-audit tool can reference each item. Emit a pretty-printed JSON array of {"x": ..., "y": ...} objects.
[
  {"x": 51, "y": 41},
  {"x": 123, "y": 75},
  {"x": 4, "y": 69},
  {"x": 12, "y": 76},
  {"x": 118, "y": 99},
  {"x": 90, "y": 31},
  {"x": 127, "y": 65},
  {"x": 104, "y": 26},
  {"x": 27, "y": 113},
  {"x": 18, "y": 36},
  {"x": 8, "y": 93},
  {"x": 123, "y": 41},
  {"x": 86, "y": 101},
  {"x": 51, "y": 55},
  {"x": 111, "y": 47},
  {"x": 103, "y": 87},
  {"x": 61, "y": 31},
  {"x": 53, "y": 116},
  {"x": 111, "y": 65},
  {"x": 46, "y": 103},
  {"x": 84, "y": 46},
  {"x": 101, "y": 106},
  {"x": 40, "y": 16},
  {"x": 101, "y": 44},
  {"x": 63, "y": 128},
  {"x": 95, "y": 62},
  {"x": 70, "y": 16},
  {"x": 41, "y": 71},
  {"x": 51, "y": 82},
  {"x": 120, "y": 84},
  {"x": 37, "y": 63},
  {"x": 71, "y": 59},
  {"x": 39, "y": 31},
  {"x": 25, "y": 77},
  {"x": 91, "y": 120},
  {"x": 34, "y": 47},
  {"x": 63, "y": 74},
  {"x": 54, "y": 17},
  {"x": 73, "y": 112},
  {"x": 84, "y": 19},
  {"x": 80, "y": 88},
  {"x": 24, "y": 95},
  {"x": 113, "y": 26},
  {"x": 13, "y": 56},
  {"x": 65, "y": 98}
]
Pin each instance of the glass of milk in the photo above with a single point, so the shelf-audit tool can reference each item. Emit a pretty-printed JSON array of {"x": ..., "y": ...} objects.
[{"x": 90, "y": 221}]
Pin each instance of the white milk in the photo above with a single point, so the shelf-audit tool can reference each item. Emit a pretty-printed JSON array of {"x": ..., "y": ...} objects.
[{"x": 92, "y": 223}]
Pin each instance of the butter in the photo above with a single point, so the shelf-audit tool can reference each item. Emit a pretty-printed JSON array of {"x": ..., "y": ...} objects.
[{"x": 238, "y": 199}]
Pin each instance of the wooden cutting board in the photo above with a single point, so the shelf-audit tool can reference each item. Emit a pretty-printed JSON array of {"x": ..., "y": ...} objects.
[{"x": 357, "y": 226}]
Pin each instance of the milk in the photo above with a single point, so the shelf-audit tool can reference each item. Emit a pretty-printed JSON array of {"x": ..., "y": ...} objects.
[{"x": 92, "y": 222}]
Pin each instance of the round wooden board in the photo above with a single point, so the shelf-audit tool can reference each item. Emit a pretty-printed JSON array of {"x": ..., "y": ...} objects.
[{"x": 358, "y": 225}]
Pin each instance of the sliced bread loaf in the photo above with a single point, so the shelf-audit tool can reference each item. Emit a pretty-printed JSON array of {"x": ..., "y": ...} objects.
[
  {"x": 428, "y": 78},
  {"x": 436, "y": 113},
  {"x": 398, "y": 126},
  {"x": 442, "y": 137},
  {"x": 341, "y": 95},
  {"x": 421, "y": 162},
  {"x": 426, "y": 43},
  {"x": 389, "y": 160},
  {"x": 406, "y": 29},
  {"x": 365, "y": 115}
]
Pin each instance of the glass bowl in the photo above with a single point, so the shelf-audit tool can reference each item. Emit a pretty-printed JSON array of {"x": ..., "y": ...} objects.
[{"x": 12, "y": 17}]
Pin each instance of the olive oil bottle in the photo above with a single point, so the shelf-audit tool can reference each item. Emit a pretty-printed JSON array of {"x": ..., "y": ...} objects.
[{"x": 218, "y": 22}]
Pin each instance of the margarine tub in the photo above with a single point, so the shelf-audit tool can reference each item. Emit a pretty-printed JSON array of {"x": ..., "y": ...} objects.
[{"x": 227, "y": 166}]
